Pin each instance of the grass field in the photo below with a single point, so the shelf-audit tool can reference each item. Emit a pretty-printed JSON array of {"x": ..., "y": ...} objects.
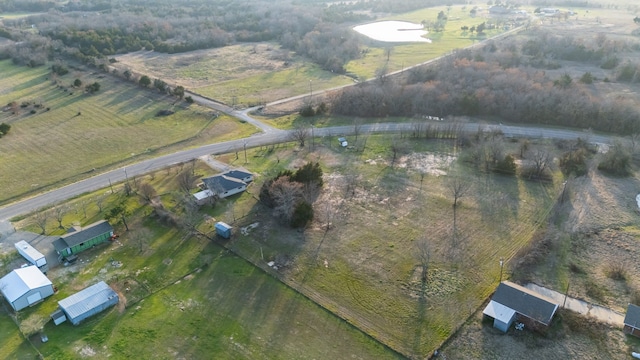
[
  {"x": 82, "y": 132},
  {"x": 364, "y": 267},
  {"x": 181, "y": 296},
  {"x": 267, "y": 73}
]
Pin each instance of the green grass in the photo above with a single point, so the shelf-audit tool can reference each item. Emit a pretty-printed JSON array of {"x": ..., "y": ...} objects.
[
  {"x": 12, "y": 344},
  {"x": 405, "y": 55},
  {"x": 226, "y": 307},
  {"x": 116, "y": 126},
  {"x": 369, "y": 276},
  {"x": 301, "y": 78}
]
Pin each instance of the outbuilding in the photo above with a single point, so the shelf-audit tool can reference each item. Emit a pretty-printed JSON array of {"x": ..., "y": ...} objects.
[
  {"x": 632, "y": 320},
  {"x": 512, "y": 301},
  {"x": 25, "y": 287},
  {"x": 88, "y": 302},
  {"x": 82, "y": 238},
  {"x": 223, "y": 229}
]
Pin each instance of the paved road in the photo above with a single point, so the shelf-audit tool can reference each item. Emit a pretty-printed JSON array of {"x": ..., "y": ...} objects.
[{"x": 270, "y": 136}]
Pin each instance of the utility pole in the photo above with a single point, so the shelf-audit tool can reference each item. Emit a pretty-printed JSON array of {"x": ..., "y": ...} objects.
[
  {"x": 501, "y": 265},
  {"x": 245, "y": 152}
]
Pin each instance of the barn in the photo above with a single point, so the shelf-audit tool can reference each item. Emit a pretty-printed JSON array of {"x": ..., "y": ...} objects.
[
  {"x": 512, "y": 301},
  {"x": 86, "y": 303},
  {"x": 25, "y": 287},
  {"x": 632, "y": 320},
  {"x": 82, "y": 238}
]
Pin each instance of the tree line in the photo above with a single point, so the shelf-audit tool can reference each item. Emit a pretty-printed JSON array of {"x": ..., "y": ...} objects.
[
  {"x": 498, "y": 80},
  {"x": 314, "y": 29}
]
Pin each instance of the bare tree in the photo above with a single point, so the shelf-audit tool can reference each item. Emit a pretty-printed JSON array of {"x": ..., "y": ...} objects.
[
  {"x": 398, "y": 146},
  {"x": 540, "y": 161},
  {"x": 186, "y": 180},
  {"x": 58, "y": 212},
  {"x": 286, "y": 195},
  {"x": 40, "y": 219},
  {"x": 458, "y": 187},
  {"x": 326, "y": 212},
  {"x": 299, "y": 134},
  {"x": 147, "y": 192},
  {"x": 141, "y": 237},
  {"x": 100, "y": 202},
  {"x": 357, "y": 127},
  {"x": 423, "y": 254}
]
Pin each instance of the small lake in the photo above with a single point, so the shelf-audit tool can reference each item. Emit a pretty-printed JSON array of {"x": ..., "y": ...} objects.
[{"x": 393, "y": 31}]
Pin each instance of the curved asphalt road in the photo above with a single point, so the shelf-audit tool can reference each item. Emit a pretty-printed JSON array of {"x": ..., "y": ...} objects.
[{"x": 271, "y": 136}]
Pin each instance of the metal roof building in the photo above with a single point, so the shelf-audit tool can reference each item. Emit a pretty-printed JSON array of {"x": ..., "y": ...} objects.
[
  {"x": 88, "y": 302},
  {"x": 512, "y": 300},
  {"x": 25, "y": 286}
]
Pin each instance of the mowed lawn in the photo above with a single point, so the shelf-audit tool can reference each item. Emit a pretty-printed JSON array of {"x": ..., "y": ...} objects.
[
  {"x": 364, "y": 267},
  {"x": 81, "y": 132}
]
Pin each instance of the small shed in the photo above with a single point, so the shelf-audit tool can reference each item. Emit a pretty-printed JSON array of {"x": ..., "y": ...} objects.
[
  {"x": 632, "y": 320},
  {"x": 343, "y": 142},
  {"x": 88, "y": 302},
  {"x": 512, "y": 301},
  {"x": 25, "y": 287},
  {"x": 203, "y": 197},
  {"x": 223, "y": 229}
]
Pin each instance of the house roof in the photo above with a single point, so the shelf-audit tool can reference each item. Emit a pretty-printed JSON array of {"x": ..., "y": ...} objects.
[
  {"x": 222, "y": 183},
  {"x": 83, "y": 234},
  {"x": 499, "y": 311},
  {"x": 633, "y": 316},
  {"x": 238, "y": 174},
  {"x": 201, "y": 195},
  {"x": 525, "y": 302},
  {"x": 20, "y": 281},
  {"x": 87, "y": 299}
]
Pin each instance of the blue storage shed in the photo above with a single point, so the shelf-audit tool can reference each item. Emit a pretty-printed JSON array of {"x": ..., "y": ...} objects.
[
  {"x": 223, "y": 230},
  {"x": 88, "y": 302}
]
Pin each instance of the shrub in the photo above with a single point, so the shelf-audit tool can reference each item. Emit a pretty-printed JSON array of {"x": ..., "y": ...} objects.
[
  {"x": 506, "y": 166},
  {"x": 616, "y": 161},
  {"x": 59, "y": 69},
  {"x": 610, "y": 63},
  {"x": 189, "y": 100},
  {"x": 574, "y": 162},
  {"x": 616, "y": 271},
  {"x": 307, "y": 111},
  {"x": 587, "y": 78},
  {"x": 594, "y": 290},
  {"x": 302, "y": 215}
]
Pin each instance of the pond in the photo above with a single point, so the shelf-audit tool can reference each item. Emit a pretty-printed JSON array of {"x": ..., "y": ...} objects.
[{"x": 393, "y": 31}]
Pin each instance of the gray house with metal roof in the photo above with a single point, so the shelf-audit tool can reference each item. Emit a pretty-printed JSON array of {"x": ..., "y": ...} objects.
[
  {"x": 632, "y": 320},
  {"x": 512, "y": 301},
  {"x": 82, "y": 238},
  {"x": 88, "y": 302},
  {"x": 223, "y": 186}
]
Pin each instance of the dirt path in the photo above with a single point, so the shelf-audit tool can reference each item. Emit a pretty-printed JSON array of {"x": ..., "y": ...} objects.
[{"x": 581, "y": 307}]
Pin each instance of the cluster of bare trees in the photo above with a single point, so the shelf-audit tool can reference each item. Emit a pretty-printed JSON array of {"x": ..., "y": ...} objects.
[
  {"x": 317, "y": 29},
  {"x": 478, "y": 84}
]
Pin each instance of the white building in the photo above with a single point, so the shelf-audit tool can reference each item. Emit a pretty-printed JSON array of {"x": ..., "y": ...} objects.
[{"x": 25, "y": 287}]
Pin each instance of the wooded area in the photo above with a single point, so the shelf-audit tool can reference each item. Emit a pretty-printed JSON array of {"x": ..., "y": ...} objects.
[
  {"x": 318, "y": 29},
  {"x": 507, "y": 79}
]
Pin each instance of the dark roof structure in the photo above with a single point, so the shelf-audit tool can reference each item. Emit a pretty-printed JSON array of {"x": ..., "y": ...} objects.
[
  {"x": 238, "y": 174},
  {"x": 83, "y": 234},
  {"x": 525, "y": 302},
  {"x": 633, "y": 316},
  {"x": 222, "y": 183}
]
